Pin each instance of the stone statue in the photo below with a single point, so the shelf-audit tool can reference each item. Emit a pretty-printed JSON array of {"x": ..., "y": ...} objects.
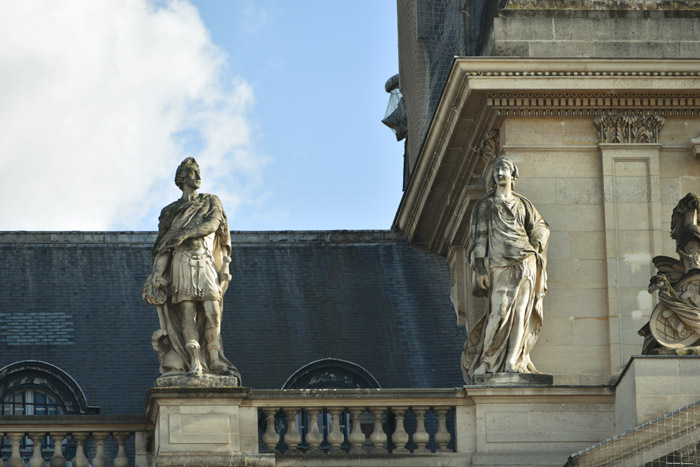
[
  {"x": 674, "y": 325},
  {"x": 190, "y": 276},
  {"x": 507, "y": 252}
]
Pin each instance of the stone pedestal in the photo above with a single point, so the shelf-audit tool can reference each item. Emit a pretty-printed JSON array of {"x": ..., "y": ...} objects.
[
  {"x": 652, "y": 386},
  {"x": 536, "y": 425},
  {"x": 197, "y": 426},
  {"x": 204, "y": 381},
  {"x": 511, "y": 379}
]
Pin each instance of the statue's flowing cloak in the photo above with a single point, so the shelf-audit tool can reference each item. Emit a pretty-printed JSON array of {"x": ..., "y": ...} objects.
[
  {"x": 506, "y": 235},
  {"x": 175, "y": 219}
]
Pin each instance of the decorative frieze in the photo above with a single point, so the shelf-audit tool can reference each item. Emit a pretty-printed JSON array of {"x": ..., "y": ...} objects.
[
  {"x": 628, "y": 127},
  {"x": 590, "y": 104}
]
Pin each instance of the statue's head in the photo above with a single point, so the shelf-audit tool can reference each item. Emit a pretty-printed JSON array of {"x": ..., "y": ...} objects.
[
  {"x": 184, "y": 169},
  {"x": 508, "y": 165}
]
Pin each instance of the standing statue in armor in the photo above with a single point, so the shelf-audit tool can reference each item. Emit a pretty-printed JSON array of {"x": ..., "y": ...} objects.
[{"x": 190, "y": 276}]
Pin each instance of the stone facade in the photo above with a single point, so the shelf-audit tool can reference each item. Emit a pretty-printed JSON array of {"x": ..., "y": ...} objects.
[{"x": 599, "y": 108}]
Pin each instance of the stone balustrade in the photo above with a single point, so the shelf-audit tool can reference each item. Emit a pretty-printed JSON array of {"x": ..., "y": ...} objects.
[
  {"x": 272, "y": 427},
  {"x": 359, "y": 421},
  {"x": 84, "y": 439}
]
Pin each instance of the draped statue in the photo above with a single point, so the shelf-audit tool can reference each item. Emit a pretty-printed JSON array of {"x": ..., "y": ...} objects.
[{"x": 507, "y": 252}]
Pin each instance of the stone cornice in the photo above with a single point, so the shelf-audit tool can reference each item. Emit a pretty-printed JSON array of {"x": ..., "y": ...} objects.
[
  {"x": 674, "y": 5},
  {"x": 481, "y": 91}
]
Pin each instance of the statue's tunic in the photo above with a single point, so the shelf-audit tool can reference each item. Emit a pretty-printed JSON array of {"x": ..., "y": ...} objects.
[
  {"x": 506, "y": 234},
  {"x": 193, "y": 271}
]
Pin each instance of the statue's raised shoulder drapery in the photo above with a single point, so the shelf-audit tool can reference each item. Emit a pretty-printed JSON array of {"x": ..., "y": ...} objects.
[
  {"x": 507, "y": 253},
  {"x": 190, "y": 276},
  {"x": 675, "y": 321}
]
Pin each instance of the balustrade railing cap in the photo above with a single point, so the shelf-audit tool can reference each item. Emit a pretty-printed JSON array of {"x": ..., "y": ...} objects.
[{"x": 71, "y": 423}]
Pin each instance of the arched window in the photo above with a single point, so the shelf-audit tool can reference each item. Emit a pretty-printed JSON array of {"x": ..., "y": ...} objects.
[
  {"x": 329, "y": 373},
  {"x": 33, "y": 387},
  {"x": 38, "y": 388},
  {"x": 31, "y": 400}
]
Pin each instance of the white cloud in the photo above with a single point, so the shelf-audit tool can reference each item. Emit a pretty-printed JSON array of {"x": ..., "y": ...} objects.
[{"x": 99, "y": 102}]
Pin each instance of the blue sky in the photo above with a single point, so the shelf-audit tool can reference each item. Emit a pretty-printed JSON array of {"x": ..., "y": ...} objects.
[
  {"x": 280, "y": 101},
  {"x": 318, "y": 70}
]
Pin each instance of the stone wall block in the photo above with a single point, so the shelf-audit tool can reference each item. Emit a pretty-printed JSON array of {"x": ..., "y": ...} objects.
[
  {"x": 583, "y": 274},
  {"x": 670, "y": 192},
  {"x": 579, "y": 191},
  {"x": 559, "y": 246},
  {"x": 519, "y": 28},
  {"x": 560, "y": 48},
  {"x": 601, "y": 28},
  {"x": 512, "y": 49},
  {"x": 587, "y": 218},
  {"x": 587, "y": 245},
  {"x": 539, "y": 190},
  {"x": 567, "y": 301},
  {"x": 560, "y": 359},
  {"x": 557, "y": 331},
  {"x": 689, "y": 184},
  {"x": 689, "y": 48},
  {"x": 572, "y": 135},
  {"x": 590, "y": 331}
]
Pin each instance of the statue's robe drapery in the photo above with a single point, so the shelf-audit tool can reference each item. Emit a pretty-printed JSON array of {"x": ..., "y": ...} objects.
[
  {"x": 194, "y": 281},
  {"x": 506, "y": 234}
]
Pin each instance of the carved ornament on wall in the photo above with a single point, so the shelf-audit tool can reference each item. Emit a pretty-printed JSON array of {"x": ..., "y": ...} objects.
[
  {"x": 486, "y": 152},
  {"x": 628, "y": 127}
]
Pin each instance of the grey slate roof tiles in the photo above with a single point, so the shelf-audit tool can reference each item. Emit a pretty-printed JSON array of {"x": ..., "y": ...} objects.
[{"x": 74, "y": 300}]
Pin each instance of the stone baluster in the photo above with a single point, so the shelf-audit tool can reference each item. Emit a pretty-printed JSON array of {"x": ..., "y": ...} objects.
[
  {"x": 314, "y": 436},
  {"x": 121, "y": 460},
  {"x": 15, "y": 459},
  {"x": 37, "y": 460},
  {"x": 356, "y": 436},
  {"x": 335, "y": 438},
  {"x": 80, "y": 460},
  {"x": 399, "y": 437},
  {"x": 58, "y": 460},
  {"x": 100, "y": 459},
  {"x": 378, "y": 437},
  {"x": 292, "y": 438},
  {"x": 270, "y": 437},
  {"x": 421, "y": 437},
  {"x": 442, "y": 437}
]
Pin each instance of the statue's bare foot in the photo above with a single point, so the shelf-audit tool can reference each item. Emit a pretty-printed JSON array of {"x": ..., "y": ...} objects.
[
  {"x": 512, "y": 368},
  {"x": 196, "y": 370}
]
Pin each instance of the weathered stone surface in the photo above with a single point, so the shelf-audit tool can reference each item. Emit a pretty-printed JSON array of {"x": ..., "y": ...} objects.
[
  {"x": 681, "y": 351},
  {"x": 212, "y": 459},
  {"x": 604, "y": 4},
  {"x": 190, "y": 276},
  {"x": 204, "y": 381},
  {"x": 508, "y": 254},
  {"x": 675, "y": 321},
  {"x": 511, "y": 379}
]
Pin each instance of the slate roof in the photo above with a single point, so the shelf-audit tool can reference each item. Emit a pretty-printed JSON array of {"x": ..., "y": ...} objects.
[{"x": 73, "y": 299}]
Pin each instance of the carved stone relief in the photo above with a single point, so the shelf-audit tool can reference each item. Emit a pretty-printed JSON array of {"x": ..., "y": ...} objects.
[
  {"x": 485, "y": 153},
  {"x": 675, "y": 322},
  {"x": 628, "y": 127}
]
